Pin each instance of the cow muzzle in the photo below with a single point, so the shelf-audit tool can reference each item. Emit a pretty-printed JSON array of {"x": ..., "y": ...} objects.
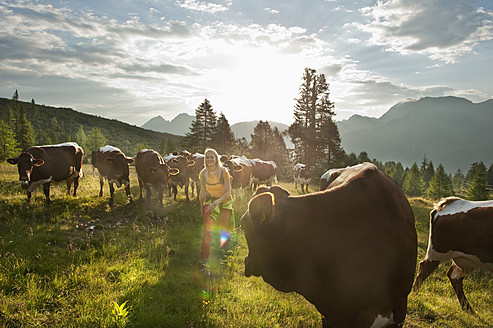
[{"x": 25, "y": 183}]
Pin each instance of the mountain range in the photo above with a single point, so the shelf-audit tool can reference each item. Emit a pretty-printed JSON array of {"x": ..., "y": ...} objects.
[
  {"x": 452, "y": 131},
  {"x": 448, "y": 130},
  {"x": 180, "y": 125}
]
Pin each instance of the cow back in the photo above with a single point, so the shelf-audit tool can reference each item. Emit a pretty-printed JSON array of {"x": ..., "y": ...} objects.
[{"x": 61, "y": 162}]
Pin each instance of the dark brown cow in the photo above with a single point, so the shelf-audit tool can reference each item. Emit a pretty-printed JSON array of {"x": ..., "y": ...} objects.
[
  {"x": 302, "y": 175},
  {"x": 182, "y": 179},
  {"x": 153, "y": 172},
  {"x": 263, "y": 172},
  {"x": 461, "y": 231},
  {"x": 349, "y": 250},
  {"x": 112, "y": 164},
  {"x": 40, "y": 165},
  {"x": 240, "y": 170}
]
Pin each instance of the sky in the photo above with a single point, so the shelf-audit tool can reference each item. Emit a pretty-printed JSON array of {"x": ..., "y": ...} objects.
[{"x": 134, "y": 60}]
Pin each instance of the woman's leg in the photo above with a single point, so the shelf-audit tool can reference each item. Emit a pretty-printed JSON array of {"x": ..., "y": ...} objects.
[
  {"x": 206, "y": 236},
  {"x": 223, "y": 221}
]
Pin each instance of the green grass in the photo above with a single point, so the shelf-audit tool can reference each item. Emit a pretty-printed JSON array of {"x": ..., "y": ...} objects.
[{"x": 64, "y": 264}]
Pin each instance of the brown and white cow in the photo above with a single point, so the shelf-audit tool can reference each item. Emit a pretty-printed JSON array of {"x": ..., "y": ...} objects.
[
  {"x": 302, "y": 175},
  {"x": 182, "y": 179},
  {"x": 240, "y": 170},
  {"x": 461, "y": 231},
  {"x": 263, "y": 172},
  {"x": 40, "y": 165},
  {"x": 327, "y": 178},
  {"x": 152, "y": 173},
  {"x": 349, "y": 250},
  {"x": 112, "y": 164}
]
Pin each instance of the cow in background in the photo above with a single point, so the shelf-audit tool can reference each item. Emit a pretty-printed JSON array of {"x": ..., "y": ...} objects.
[
  {"x": 152, "y": 172},
  {"x": 112, "y": 165},
  {"x": 39, "y": 165},
  {"x": 302, "y": 175},
  {"x": 263, "y": 172},
  {"x": 461, "y": 231},
  {"x": 240, "y": 170},
  {"x": 349, "y": 250},
  {"x": 195, "y": 169},
  {"x": 327, "y": 178},
  {"x": 182, "y": 179}
]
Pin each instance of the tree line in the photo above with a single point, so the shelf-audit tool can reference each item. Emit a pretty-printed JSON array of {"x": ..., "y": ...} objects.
[
  {"x": 24, "y": 124},
  {"x": 314, "y": 134}
]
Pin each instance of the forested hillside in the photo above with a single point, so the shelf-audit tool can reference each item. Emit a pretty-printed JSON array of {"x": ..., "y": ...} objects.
[{"x": 55, "y": 125}]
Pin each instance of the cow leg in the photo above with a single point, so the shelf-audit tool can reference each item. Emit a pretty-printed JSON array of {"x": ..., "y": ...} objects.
[
  {"x": 456, "y": 275},
  {"x": 175, "y": 191},
  {"x": 101, "y": 183},
  {"x": 400, "y": 312},
  {"x": 141, "y": 186},
  {"x": 148, "y": 194},
  {"x": 46, "y": 189},
  {"x": 426, "y": 267},
  {"x": 76, "y": 185},
  {"x": 69, "y": 186},
  {"x": 186, "y": 191},
  {"x": 129, "y": 195},
  {"x": 112, "y": 192},
  {"x": 160, "y": 196},
  {"x": 192, "y": 187},
  {"x": 29, "y": 194}
]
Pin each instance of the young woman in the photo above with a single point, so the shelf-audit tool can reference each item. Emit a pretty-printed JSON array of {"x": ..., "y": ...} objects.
[{"x": 216, "y": 205}]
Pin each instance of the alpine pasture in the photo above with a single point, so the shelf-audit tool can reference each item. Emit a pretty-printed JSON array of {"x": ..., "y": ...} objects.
[{"x": 81, "y": 263}]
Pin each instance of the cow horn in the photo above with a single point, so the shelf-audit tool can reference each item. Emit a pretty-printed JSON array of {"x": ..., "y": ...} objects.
[{"x": 261, "y": 208}]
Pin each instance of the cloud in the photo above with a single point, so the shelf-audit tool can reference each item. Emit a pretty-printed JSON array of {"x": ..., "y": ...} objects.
[
  {"x": 440, "y": 29},
  {"x": 201, "y": 6}
]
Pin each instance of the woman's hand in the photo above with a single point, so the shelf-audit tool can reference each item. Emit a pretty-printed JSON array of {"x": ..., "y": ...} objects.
[{"x": 211, "y": 207}]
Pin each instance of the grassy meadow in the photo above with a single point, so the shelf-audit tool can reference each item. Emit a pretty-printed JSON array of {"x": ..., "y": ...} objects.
[{"x": 81, "y": 263}]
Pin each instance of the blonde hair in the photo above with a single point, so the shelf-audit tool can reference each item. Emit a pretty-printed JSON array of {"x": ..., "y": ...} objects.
[{"x": 219, "y": 166}]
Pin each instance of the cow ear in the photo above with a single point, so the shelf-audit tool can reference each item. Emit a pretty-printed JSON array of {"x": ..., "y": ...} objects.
[
  {"x": 173, "y": 171},
  {"x": 38, "y": 162},
  {"x": 129, "y": 160},
  {"x": 174, "y": 161},
  {"x": 191, "y": 162},
  {"x": 312, "y": 168},
  {"x": 12, "y": 161},
  {"x": 237, "y": 168},
  {"x": 261, "y": 208}
]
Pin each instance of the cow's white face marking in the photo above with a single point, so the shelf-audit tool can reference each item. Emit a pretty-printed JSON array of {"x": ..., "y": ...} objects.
[
  {"x": 108, "y": 148},
  {"x": 462, "y": 206},
  {"x": 381, "y": 321},
  {"x": 326, "y": 175},
  {"x": 298, "y": 166},
  {"x": 35, "y": 184}
]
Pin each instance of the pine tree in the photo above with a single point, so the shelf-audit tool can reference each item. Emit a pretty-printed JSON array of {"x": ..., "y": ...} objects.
[
  {"x": 95, "y": 140},
  {"x": 202, "y": 129},
  {"x": 458, "y": 181},
  {"x": 428, "y": 173},
  {"x": 313, "y": 133},
  {"x": 479, "y": 185},
  {"x": 440, "y": 184},
  {"x": 262, "y": 141},
  {"x": 414, "y": 184},
  {"x": 8, "y": 144},
  {"x": 223, "y": 137},
  {"x": 81, "y": 138},
  {"x": 490, "y": 176},
  {"x": 25, "y": 131}
]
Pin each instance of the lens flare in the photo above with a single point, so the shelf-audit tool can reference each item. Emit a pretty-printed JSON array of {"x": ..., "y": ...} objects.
[{"x": 224, "y": 238}]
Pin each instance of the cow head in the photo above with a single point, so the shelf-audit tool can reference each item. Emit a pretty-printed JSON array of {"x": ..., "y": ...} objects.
[
  {"x": 264, "y": 232},
  {"x": 164, "y": 170},
  {"x": 120, "y": 168},
  {"x": 25, "y": 165},
  {"x": 306, "y": 172}
]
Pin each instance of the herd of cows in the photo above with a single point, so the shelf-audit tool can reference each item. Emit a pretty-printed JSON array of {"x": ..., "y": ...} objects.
[{"x": 350, "y": 249}]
